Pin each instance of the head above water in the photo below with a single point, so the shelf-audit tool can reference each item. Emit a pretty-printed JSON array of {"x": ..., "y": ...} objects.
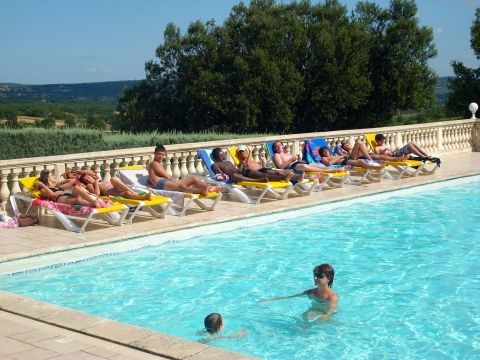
[
  {"x": 213, "y": 323},
  {"x": 327, "y": 270}
]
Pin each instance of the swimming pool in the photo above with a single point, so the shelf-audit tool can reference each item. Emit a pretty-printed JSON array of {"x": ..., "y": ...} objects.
[{"x": 407, "y": 274}]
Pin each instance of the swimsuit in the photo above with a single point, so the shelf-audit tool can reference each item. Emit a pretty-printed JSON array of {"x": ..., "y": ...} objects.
[
  {"x": 400, "y": 152},
  {"x": 160, "y": 185}
]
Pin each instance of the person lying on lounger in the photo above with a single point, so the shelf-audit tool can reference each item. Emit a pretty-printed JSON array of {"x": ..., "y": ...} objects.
[
  {"x": 405, "y": 151},
  {"x": 284, "y": 160},
  {"x": 359, "y": 151},
  {"x": 159, "y": 178},
  {"x": 114, "y": 187},
  {"x": 66, "y": 191},
  {"x": 227, "y": 170},
  {"x": 248, "y": 166}
]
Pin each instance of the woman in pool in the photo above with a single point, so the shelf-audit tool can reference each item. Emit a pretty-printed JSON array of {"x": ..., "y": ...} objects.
[{"x": 324, "y": 299}]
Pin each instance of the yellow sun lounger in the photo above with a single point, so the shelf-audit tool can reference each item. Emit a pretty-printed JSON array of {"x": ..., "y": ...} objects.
[
  {"x": 406, "y": 168},
  {"x": 304, "y": 187},
  {"x": 158, "y": 206},
  {"x": 136, "y": 177},
  {"x": 65, "y": 213}
]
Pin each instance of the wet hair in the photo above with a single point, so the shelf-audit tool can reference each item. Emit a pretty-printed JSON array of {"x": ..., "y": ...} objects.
[
  {"x": 379, "y": 137},
  {"x": 216, "y": 154},
  {"x": 213, "y": 322},
  {"x": 326, "y": 269},
  {"x": 160, "y": 148},
  {"x": 44, "y": 176}
]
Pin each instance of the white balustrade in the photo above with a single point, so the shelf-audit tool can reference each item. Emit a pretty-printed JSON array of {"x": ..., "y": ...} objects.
[{"x": 436, "y": 138}]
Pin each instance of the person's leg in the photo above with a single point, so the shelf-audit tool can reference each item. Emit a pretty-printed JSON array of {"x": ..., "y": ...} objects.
[
  {"x": 64, "y": 199},
  {"x": 313, "y": 168},
  {"x": 80, "y": 193},
  {"x": 368, "y": 164},
  {"x": 359, "y": 150},
  {"x": 279, "y": 175},
  {"x": 119, "y": 188},
  {"x": 416, "y": 150}
]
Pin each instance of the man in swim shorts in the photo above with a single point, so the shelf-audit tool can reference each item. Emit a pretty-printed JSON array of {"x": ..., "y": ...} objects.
[{"x": 159, "y": 179}]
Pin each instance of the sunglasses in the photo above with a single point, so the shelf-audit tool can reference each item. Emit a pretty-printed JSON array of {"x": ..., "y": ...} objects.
[{"x": 319, "y": 275}]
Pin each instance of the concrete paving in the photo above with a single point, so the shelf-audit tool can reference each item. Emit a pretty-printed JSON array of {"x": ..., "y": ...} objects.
[{"x": 36, "y": 330}]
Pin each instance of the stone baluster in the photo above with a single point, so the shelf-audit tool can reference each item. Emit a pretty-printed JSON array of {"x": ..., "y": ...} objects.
[
  {"x": 176, "y": 166},
  {"x": 4, "y": 192},
  {"x": 107, "y": 163},
  {"x": 167, "y": 164},
  {"x": 182, "y": 160},
  {"x": 456, "y": 137},
  {"x": 114, "y": 168},
  {"x": 135, "y": 160},
  {"x": 191, "y": 163},
  {"x": 14, "y": 178},
  {"x": 199, "y": 169},
  {"x": 143, "y": 160},
  {"x": 97, "y": 167},
  {"x": 439, "y": 145},
  {"x": 295, "y": 147}
]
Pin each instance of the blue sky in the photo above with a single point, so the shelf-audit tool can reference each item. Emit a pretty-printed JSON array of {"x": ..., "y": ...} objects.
[{"x": 62, "y": 41}]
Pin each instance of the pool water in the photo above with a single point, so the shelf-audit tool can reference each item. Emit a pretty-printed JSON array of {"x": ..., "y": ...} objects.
[{"x": 407, "y": 273}]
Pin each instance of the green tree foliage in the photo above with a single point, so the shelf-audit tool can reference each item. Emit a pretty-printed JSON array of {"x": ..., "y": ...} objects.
[
  {"x": 285, "y": 68},
  {"x": 465, "y": 85}
]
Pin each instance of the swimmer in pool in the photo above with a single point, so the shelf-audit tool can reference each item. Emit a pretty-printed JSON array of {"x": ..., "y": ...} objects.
[
  {"x": 214, "y": 326},
  {"x": 324, "y": 299}
]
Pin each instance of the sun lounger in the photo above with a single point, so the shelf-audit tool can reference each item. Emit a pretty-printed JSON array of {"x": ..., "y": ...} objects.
[
  {"x": 407, "y": 168},
  {"x": 256, "y": 190},
  {"x": 137, "y": 178},
  {"x": 331, "y": 179},
  {"x": 158, "y": 206},
  {"x": 66, "y": 213},
  {"x": 362, "y": 175}
]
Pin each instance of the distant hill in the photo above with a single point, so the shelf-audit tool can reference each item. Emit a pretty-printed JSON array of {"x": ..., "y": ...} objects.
[
  {"x": 109, "y": 91},
  {"x": 100, "y": 91}
]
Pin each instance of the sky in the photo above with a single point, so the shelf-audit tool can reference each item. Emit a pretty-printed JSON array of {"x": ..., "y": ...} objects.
[{"x": 67, "y": 41}]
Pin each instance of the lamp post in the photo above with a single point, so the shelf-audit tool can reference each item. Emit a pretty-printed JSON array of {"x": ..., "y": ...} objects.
[{"x": 473, "y": 107}]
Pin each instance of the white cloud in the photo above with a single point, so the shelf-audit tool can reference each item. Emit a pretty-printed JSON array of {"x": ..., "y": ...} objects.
[
  {"x": 438, "y": 30},
  {"x": 91, "y": 70}
]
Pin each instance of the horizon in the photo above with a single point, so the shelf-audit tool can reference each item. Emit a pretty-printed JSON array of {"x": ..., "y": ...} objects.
[{"x": 38, "y": 53}]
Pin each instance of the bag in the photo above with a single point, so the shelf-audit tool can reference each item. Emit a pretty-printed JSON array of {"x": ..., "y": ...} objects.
[{"x": 27, "y": 220}]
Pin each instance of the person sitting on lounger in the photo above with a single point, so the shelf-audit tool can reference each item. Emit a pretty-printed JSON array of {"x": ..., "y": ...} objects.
[
  {"x": 249, "y": 166},
  {"x": 159, "y": 178},
  {"x": 328, "y": 159},
  {"x": 66, "y": 191},
  {"x": 284, "y": 160},
  {"x": 114, "y": 187},
  {"x": 405, "y": 151}
]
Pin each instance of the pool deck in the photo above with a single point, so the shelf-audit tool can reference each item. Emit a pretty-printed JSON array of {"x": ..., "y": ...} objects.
[{"x": 35, "y": 330}]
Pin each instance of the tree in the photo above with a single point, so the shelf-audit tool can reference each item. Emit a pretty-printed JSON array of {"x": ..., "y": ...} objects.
[
  {"x": 285, "y": 68},
  {"x": 465, "y": 86}
]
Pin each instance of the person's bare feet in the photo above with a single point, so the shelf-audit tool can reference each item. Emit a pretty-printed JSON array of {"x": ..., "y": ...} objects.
[{"x": 214, "y": 188}]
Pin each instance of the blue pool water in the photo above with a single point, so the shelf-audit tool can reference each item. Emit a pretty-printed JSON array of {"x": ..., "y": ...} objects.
[{"x": 407, "y": 273}]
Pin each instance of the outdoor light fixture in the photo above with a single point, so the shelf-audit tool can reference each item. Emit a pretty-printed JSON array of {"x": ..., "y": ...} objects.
[{"x": 473, "y": 107}]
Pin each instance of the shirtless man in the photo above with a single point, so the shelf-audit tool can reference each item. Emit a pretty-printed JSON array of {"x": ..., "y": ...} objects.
[
  {"x": 159, "y": 178},
  {"x": 284, "y": 160},
  {"x": 249, "y": 165},
  {"x": 405, "y": 151}
]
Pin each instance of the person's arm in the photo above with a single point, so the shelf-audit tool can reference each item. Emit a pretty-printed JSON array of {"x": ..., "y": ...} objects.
[
  {"x": 331, "y": 160},
  {"x": 93, "y": 188},
  {"x": 238, "y": 334},
  {"x": 216, "y": 169},
  {"x": 282, "y": 297},
  {"x": 45, "y": 191}
]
